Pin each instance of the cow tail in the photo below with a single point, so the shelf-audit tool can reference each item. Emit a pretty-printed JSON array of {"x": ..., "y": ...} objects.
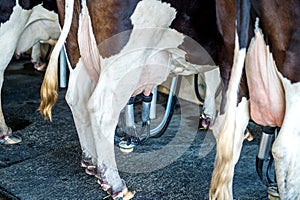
[
  {"x": 50, "y": 83},
  {"x": 221, "y": 185}
]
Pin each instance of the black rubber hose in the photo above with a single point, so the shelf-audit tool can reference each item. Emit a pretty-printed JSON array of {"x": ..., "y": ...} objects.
[{"x": 197, "y": 89}]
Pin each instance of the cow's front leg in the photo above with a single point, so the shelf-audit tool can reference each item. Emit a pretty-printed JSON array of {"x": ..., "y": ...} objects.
[
  {"x": 77, "y": 100},
  {"x": 8, "y": 38},
  {"x": 286, "y": 148}
]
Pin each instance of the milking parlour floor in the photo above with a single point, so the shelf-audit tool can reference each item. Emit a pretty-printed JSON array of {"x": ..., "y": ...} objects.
[{"x": 46, "y": 164}]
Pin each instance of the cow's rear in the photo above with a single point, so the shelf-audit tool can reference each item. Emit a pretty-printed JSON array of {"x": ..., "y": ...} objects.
[{"x": 269, "y": 88}]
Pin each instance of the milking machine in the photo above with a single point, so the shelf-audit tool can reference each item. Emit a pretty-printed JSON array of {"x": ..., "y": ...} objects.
[
  {"x": 128, "y": 133},
  {"x": 134, "y": 135},
  {"x": 266, "y": 173}
]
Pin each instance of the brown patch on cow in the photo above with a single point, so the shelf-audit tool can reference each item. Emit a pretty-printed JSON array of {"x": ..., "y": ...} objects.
[
  {"x": 280, "y": 24},
  {"x": 225, "y": 12},
  {"x": 226, "y": 19},
  {"x": 103, "y": 20},
  {"x": 108, "y": 19},
  {"x": 276, "y": 28},
  {"x": 71, "y": 45}
]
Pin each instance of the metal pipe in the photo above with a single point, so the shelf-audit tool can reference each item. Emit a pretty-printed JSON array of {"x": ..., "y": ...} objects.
[
  {"x": 153, "y": 103},
  {"x": 62, "y": 69},
  {"x": 264, "y": 151},
  {"x": 168, "y": 108},
  {"x": 129, "y": 113},
  {"x": 265, "y": 145},
  {"x": 146, "y": 106}
]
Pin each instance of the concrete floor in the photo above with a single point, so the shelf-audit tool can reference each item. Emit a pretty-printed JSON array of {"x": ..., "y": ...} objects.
[{"x": 46, "y": 165}]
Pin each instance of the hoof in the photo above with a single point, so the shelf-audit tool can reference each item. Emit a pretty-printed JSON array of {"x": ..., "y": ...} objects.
[
  {"x": 9, "y": 138},
  {"x": 40, "y": 67},
  {"x": 105, "y": 187},
  {"x": 85, "y": 162},
  {"x": 205, "y": 122},
  {"x": 124, "y": 195},
  {"x": 248, "y": 136},
  {"x": 18, "y": 56},
  {"x": 91, "y": 170}
]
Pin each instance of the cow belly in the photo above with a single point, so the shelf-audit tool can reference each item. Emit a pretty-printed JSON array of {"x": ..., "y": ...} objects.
[{"x": 267, "y": 104}]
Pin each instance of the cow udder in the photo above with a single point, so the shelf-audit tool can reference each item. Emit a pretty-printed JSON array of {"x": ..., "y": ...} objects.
[{"x": 267, "y": 103}]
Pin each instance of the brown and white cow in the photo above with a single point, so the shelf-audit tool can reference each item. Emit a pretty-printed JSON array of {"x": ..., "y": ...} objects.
[
  {"x": 14, "y": 15},
  {"x": 117, "y": 49},
  {"x": 260, "y": 82}
]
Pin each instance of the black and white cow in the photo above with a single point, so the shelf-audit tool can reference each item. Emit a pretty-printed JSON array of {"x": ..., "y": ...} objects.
[
  {"x": 41, "y": 30},
  {"x": 14, "y": 18}
]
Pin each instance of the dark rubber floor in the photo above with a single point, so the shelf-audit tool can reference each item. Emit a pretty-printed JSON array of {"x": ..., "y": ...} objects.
[{"x": 46, "y": 165}]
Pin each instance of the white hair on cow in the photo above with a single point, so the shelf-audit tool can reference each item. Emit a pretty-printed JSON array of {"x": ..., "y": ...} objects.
[{"x": 163, "y": 11}]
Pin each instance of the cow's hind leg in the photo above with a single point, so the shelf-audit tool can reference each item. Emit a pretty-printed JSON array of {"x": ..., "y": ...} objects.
[
  {"x": 229, "y": 145},
  {"x": 104, "y": 129},
  {"x": 4, "y": 129},
  {"x": 105, "y": 106},
  {"x": 286, "y": 148},
  {"x": 230, "y": 138},
  {"x": 6, "y": 136},
  {"x": 9, "y": 34},
  {"x": 77, "y": 100}
]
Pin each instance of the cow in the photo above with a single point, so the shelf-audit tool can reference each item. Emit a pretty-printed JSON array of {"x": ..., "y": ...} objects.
[
  {"x": 41, "y": 30},
  {"x": 259, "y": 66},
  {"x": 117, "y": 49},
  {"x": 14, "y": 16}
]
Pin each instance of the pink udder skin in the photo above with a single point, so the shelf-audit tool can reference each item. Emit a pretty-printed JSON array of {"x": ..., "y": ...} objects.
[{"x": 267, "y": 103}]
